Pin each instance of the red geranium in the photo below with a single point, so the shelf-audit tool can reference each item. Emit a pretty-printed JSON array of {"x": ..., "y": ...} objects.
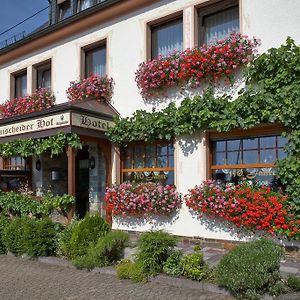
[{"x": 246, "y": 206}]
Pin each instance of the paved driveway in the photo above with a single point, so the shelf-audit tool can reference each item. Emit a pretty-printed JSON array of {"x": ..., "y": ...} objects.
[{"x": 30, "y": 280}]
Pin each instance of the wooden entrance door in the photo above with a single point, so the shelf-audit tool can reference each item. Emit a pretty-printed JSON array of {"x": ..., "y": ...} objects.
[{"x": 82, "y": 182}]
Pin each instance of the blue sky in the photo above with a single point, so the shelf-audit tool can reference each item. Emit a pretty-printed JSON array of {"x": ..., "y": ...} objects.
[{"x": 14, "y": 11}]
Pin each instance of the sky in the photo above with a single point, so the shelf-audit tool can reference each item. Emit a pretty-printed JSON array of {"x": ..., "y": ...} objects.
[{"x": 14, "y": 11}]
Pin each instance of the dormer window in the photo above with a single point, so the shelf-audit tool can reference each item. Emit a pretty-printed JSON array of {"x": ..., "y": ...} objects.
[
  {"x": 85, "y": 4},
  {"x": 64, "y": 9}
]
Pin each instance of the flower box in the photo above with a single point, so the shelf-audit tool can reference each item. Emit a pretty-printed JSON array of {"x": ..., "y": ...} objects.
[
  {"x": 95, "y": 86},
  {"x": 40, "y": 100},
  {"x": 149, "y": 198},
  {"x": 193, "y": 66}
]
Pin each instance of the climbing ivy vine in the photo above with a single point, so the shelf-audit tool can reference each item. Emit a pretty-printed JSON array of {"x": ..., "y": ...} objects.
[
  {"x": 55, "y": 144},
  {"x": 271, "y": 95}
]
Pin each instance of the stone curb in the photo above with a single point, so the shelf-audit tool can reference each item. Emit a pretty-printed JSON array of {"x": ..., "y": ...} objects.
[
  {"x": 55, "y": 261},
  {"x": 187, "y": 283}
]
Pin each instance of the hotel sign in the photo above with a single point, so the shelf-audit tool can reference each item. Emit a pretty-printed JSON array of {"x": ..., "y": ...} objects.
[
  {"x": 55, "y": 121},
  {"x": 85, "y": 121},
  {"x": 38, "y": 124}
]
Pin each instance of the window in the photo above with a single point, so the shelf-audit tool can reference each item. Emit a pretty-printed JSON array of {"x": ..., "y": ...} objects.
[
  {"x": 44, "y": 76},
  {"x": 14, "y": 173},
  {"x": 95, "y": 61},
  {"x": 64, "y": 9},
  {"x": 85, "y": 4},
  {"x": 20, "y": 85},
  {"x": 166, "y": 38},
  {"x": 14, "y": 163},
  {"x": 218, "y": 22},
  {"x": 252, "y": 158},
  {"x": 143, "y": 162}
]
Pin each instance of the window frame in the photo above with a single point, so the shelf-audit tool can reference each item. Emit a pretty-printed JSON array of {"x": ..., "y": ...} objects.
[
  {"x": 9, "y": 166},
  {"x": 156, "y": 169},
  {"x": 43, "y": 66},
  {"x": 79, "y": 2},
  {"x": 209, "y": 9},
  {"x": 88, "y": 48},
  {"x": 158, "y": 22},
  {"x": 263, "y": 131},
  {"x": 59, "y": 8},
  {"x": 14, "y": 85}
]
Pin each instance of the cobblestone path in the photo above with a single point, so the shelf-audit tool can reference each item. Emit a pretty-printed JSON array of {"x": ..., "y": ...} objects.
[{"x": 30, "y": 280}]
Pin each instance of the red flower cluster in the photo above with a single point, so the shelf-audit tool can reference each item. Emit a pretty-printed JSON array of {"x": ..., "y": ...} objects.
[
  {"x": 247, "y": 207},
  {"x": 40, "y": 100},
  {"x": 192, "y": 66},
  {"x": 93, "y": 86},
  {"x": 142, "y": 199}
]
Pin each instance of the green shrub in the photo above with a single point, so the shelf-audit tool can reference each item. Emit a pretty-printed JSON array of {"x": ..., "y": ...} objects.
[
  {"x": 173, "y": 266},
  {"x": 21, "y": 204},
  {"x": 86, "y": 233},
  {"x": 111, "y": 247},
  {"x": 154, "y": 249},
  {"x": 293, "y": 283},
  {"x": 193, "y": 266},
  {"x": 60, "y": 203},
  {"x": 41, "y": 237},
  {"x": 64, "y": 238},
  {"x": 15, "y": 235},
  {"x": 18, "y": 204},
  {"x": 278, "y": 288},
  {"x": 197, "y": 248},
  {"x": 4, "y": 222},
  {"x": 30, "y": 236},
  {"x": 126, "y": 269},
  {"x": 87, "y": 261},
  {"x": 108, "y": 250},
  {"x": 251, "y": 268}
]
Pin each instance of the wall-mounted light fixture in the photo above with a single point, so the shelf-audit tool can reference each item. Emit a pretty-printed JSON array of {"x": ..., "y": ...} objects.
[
  {"x": 55, "y": 175},
  {"x": 92, "y": 162}
]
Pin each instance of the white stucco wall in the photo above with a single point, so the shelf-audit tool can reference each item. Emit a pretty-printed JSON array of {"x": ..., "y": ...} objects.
[{"x": 270, "y": 20}]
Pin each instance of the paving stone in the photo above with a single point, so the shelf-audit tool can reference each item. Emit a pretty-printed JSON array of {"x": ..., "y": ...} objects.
[
  {"x": 289, "y": 263},
  {"x": 129, "y": 252},
  {"x": 33, "y": 280},
  {"x": 214, "y": 260},
  {"x": 289, "y": 270}
]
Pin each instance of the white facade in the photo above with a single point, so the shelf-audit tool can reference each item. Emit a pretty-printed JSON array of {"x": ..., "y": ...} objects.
[{"x": 272, "y": 21}]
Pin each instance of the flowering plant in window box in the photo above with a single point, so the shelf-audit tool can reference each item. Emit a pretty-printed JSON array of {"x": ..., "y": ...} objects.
[
  {"x": 40, "y": 100},
  {"x": 129, "y": 199},
  {"x": 93, "y": 86},
  {"x": 248, "y": 207},
  {"x": 192, "y": 66}
]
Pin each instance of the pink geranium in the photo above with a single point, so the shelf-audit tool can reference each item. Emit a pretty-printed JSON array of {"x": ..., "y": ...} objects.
[
  {"x": 94, "y": 86},
  {"x": 142, "y": 199},
  {"x": 40, "y": 100}
]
